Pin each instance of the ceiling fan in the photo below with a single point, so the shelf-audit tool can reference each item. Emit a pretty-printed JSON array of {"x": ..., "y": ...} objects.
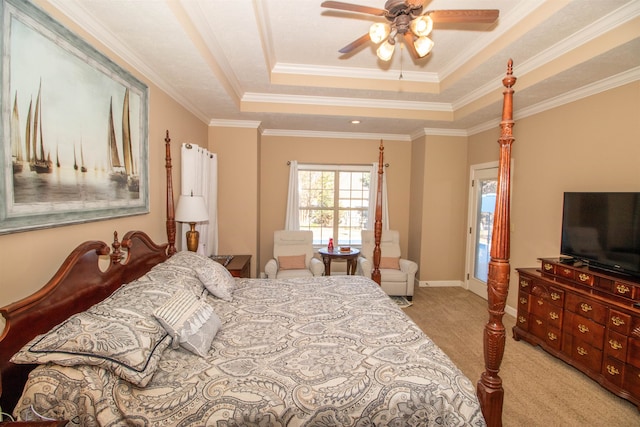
[{"x": 407, "y": 19}]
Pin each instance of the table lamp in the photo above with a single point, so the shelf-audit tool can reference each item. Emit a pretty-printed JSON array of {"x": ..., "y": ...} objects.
[{"x": 192, "y": 209}]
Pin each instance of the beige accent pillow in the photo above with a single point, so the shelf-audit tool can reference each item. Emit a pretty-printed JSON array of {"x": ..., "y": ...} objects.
[
  {"x": 388, "y": 262},
  {"x": 292, "y": 262}
]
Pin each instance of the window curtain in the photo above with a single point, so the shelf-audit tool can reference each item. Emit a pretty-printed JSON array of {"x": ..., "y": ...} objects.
[
  {"x": 292, "y": 220},
  {"x": 200, "y": 175},
  {"x": 372, "y": 199}
]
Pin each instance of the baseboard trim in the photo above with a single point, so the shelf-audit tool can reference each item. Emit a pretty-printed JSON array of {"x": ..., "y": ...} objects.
[
  {"x": 439, "y": 283},
  {"x": 451, "y": 283}
]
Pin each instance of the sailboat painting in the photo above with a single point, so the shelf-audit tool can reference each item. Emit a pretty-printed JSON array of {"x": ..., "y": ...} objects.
[{"x": 74, "y": 128}]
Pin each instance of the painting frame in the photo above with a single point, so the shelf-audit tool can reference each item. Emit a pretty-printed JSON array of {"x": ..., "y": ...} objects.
[{"x": 62, "y": 99}]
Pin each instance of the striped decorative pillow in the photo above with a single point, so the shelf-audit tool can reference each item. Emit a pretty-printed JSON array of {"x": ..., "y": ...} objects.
[{"x": 190, "y": 321}]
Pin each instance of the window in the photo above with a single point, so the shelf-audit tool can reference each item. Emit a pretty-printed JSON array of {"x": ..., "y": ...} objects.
[{"x": 334, "y": 202}]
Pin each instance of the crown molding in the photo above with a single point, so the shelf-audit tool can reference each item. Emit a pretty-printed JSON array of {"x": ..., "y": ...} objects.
[
  {"x": 335, "y": 135},
  {"x": 352, "y": 72},
  {"x": 252, "y": 124},
  {"x": 345, "y": 102}
]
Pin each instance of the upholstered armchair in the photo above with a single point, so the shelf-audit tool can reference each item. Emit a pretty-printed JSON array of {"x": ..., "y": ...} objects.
[
  {"x": 397, "y": 275},
  {"x": 293, "y": 256}
]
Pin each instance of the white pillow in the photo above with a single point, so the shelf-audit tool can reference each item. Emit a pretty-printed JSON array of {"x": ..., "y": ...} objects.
[
  {"x": 217, "y": 279},
  {"x": 190, "y": 321}
]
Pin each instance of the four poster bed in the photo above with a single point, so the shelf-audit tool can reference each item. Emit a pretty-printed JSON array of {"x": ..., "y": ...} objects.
[{"x": 184, "y": 343}]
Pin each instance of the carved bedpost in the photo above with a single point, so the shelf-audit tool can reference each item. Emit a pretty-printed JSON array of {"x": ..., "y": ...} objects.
[
  {"x": 116, "y": 253},
  {"x": 375, "y": 274},
  {"x": 171, "y": 223},
  {"x": 490, "y": 391}
]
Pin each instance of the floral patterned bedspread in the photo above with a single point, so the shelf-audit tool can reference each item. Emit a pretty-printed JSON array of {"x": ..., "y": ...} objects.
[{"x": 330, "y": 351}]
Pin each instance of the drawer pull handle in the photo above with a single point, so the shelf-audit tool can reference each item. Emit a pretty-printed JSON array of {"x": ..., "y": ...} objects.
[
  {"x": 584, "y": 277},
  {"x": 548, "y": 267},
  {"x": 622, "y": 289},
  {"x": 582, "y": 351},
  {"x": 522, "y": 319},
  {"x": 566, "y": 271},
  {"x": 617, "y": 321},
  {"x": 540, "y": 302},
  {"x": 612, "y": 370},
  {"x": 582, "y": 328},
  {"x": 555, "y": 296},
  {"x": 539, "y": 322},
  {"x": 615, "y": 344},
  {"x": 524, "y": 283},
  {"x": 552, "y": 336},
  {"x": 585, "y": 307},
  {"x": 523, "y": 300},
  {"x": 553, "y": 315}
]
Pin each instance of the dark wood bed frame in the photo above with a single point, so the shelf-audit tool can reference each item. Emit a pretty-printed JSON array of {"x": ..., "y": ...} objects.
[{"x": 80, "y": 283}]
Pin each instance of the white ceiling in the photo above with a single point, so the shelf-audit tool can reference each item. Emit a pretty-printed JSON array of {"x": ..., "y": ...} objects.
[{"x": 275, "y": 64}]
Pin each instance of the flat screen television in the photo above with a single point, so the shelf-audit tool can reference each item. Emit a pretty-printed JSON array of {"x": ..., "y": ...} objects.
[{"x": 602, "y": 230}]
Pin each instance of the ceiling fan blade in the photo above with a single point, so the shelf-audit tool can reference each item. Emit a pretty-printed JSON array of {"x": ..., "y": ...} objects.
[
  {"x": 355, "y": 44},
  {"x": 487, "y": 16},
  {"x": 353, "y": 8},
  {"x": 408, "y": 42}
]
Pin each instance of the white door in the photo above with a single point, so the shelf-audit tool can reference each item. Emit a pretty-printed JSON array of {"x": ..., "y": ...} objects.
[{"x": 482, "y": 202}]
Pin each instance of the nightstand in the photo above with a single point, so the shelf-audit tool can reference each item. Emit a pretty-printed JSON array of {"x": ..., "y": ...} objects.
[{"x": 238, "y": 266}]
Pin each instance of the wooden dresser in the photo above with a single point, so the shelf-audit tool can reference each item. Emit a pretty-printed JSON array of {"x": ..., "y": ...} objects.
[{"x": 585, "y": 317}]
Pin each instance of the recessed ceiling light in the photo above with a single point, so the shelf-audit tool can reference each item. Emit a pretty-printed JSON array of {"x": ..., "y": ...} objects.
[{"x": 355, "y": 122}]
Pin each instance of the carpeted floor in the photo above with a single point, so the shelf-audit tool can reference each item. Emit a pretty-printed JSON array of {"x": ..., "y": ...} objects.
[{"x": 540, "y": 390}]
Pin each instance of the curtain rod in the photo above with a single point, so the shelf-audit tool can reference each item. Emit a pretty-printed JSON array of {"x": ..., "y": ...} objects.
[{"x": 386, "y": 165}]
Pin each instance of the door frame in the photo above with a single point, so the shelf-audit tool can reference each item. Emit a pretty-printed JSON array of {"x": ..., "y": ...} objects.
[{"x": 471, "y": 225}]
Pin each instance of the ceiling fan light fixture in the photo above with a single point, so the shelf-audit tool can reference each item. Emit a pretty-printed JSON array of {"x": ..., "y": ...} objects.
[
  {"x": 385, "y": 51},
  {"x": 422, "y": 26},
  {"x": 423, "y": 45},
  {"x": 379, "y": 31}
]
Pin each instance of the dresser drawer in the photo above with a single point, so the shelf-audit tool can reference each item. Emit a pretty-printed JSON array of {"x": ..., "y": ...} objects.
[
  {"x": 587, "y": 308},
  {"x": 616, "y": 346},
  {"x": 584, "y": 278},
  {"x": 632, "y": 380},
  {"x": 584, "y": 329},
  {"x": 633, "y": 351},
  {"x": 613, "y": 370},
  {"x": 619, "y": 322},
  {"x": 626, "y": 290},
  {"x": 586, "y": 354},
  {"x": 523, "y": 320},
  {"x": 525, "y": 283}
]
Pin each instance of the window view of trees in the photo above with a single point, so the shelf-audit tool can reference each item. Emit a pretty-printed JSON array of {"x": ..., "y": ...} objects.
[{"x": 334, "y": 204}]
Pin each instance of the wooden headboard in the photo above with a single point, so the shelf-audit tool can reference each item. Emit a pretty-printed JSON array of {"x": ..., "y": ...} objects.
[{"x": 78, "y": 284}]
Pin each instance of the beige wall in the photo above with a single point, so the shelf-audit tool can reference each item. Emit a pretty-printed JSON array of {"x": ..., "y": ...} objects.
[
  {"x": 589, "y": 145},
  {"x": 444, "y": 212},
  {"x": 416, "y": 204},
  {"x": 274, "y": 177},
  {"x": 238, "y": 151},
  {"x": 29, "y": 259}
]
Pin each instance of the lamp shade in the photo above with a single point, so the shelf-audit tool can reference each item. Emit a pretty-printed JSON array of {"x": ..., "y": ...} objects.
[
  {"x": 385, "y": 51},
  {"x": 378, "y": 32},
  {"x": 423, "y": 46},
  {"x": 191, "y": 209},
  {"x": 422, "y": 25}
]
